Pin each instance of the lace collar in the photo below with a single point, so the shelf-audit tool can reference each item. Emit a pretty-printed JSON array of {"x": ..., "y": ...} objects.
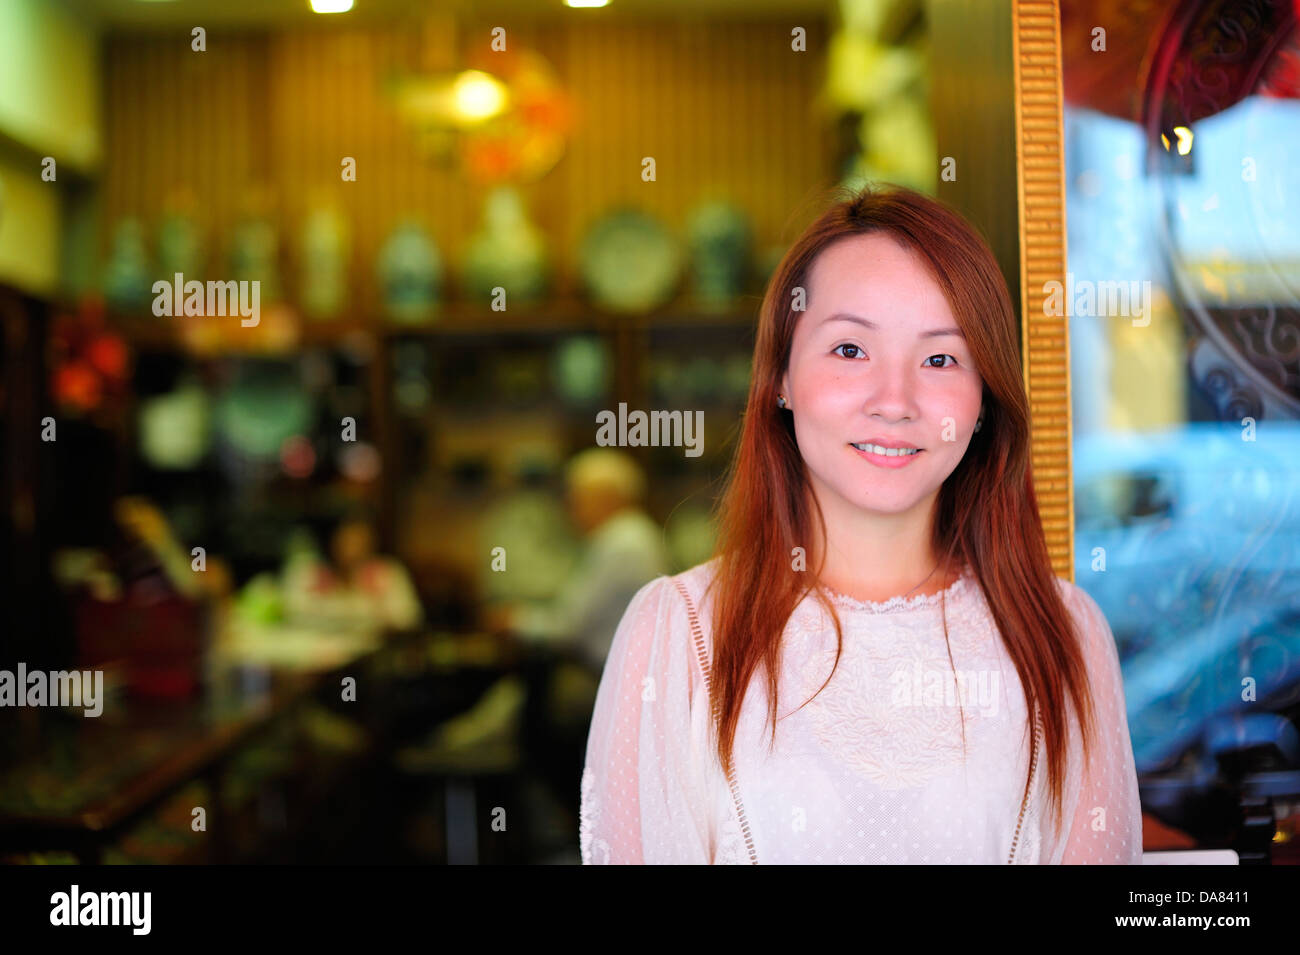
[{"x": 902, "y": 604}]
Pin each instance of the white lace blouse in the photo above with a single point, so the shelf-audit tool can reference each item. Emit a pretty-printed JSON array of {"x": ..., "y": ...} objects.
[{"x": 869, "y": 772}]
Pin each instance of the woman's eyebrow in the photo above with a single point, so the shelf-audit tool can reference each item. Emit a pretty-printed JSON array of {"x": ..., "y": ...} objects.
[{"x": 868, "y": 323}]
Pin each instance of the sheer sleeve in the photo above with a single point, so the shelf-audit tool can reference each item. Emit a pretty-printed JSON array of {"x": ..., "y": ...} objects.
[
  {"x": 1106, "y": 822},
  {"x": 644, "y": 796}
]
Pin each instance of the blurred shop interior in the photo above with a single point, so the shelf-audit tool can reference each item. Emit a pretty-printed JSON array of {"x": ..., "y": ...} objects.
[
  {"x": 463, "y": 257},
  {"x": 331, "y": 547}
]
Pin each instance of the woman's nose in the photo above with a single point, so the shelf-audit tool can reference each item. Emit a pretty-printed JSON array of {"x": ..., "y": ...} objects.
[{"x": 891, "y": 393}]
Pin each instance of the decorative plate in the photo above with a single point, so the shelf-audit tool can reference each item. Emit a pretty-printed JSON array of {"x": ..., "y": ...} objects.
[{"x": 630, "y": 262}]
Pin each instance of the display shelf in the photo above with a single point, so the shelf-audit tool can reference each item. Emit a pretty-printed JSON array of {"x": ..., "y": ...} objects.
[
  {"x": 452, "y": 320},
  {"x": 459, "y": 327}
]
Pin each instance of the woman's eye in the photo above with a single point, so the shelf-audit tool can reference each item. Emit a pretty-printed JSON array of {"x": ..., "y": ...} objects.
[
  {"x": 856, "y": 351},
  {"x": 933, "y": 357}
]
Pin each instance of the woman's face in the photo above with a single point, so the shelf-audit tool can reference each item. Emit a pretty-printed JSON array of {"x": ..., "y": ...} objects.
[{"x": 877, "y": 358}]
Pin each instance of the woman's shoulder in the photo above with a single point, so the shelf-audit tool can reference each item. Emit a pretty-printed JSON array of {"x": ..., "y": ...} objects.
[
  {"x": 666, "y": 602},
  {"x": 695, "y": 580},
  {"x": 663, "y": 597},
  {"x": 656, "y": 636},
  {"x": 1083, "y": 607},
  {"x": 1101, "y": 653},
  {"x": 693, "y": 589}
]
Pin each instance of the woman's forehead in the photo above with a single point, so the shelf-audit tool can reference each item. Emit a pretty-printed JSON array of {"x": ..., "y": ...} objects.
[
  {"x": 859, "y": 264},
  {"x": 875, "y": 301}
]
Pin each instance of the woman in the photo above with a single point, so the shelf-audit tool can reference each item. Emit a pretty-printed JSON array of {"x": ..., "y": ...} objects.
[{"x": 882, "y": 579}]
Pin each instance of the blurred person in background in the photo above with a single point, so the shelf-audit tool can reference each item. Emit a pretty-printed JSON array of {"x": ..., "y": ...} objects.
[
  {"x": 358, "y": 587},
  {"x": 623, "y": 549}
]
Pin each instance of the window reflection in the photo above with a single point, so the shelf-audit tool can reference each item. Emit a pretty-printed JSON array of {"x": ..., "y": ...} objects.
[{"x": 1183, "y": 297}]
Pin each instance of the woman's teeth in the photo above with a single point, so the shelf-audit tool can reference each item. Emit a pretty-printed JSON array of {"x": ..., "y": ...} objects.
[{"x": 878, "y": 449}]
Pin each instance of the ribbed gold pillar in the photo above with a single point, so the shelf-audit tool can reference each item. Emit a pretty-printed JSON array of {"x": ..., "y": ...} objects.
[{"x": 1036, "y": 58}]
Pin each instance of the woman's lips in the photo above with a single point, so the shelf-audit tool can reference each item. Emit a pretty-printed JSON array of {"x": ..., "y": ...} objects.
[{"x": 886, "y": 460}]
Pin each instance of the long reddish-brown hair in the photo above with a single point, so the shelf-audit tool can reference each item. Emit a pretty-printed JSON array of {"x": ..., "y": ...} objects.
[{"x": 987, "y": 515}]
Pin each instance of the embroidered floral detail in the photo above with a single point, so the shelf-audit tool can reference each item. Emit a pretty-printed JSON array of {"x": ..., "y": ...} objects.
[
  {"x": 594, "y": 851},
  {"x": 880, "y": 735}
]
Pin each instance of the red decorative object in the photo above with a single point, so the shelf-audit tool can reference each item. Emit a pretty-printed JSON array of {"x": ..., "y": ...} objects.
[
  {"x": 1203, "y": 55},
  {"x": 524, "y": 143},
  {"x": 108, "y": 356},
  {"x": 91, "y": 363},
  {"x": 158, "y": 639}
]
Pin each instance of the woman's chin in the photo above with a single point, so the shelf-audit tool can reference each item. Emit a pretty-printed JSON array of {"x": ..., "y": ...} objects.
[{"x": 885, "y": 504}]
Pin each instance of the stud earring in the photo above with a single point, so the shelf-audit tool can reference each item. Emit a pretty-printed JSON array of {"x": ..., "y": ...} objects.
[
  {"x": 979, "y": 423},
  {"x": 780, "y": 401}
]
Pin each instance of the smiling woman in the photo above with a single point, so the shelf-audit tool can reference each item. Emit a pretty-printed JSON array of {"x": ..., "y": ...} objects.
[
  {"x": 882, "y": 477},
  {"x": 862, "y": 385}
]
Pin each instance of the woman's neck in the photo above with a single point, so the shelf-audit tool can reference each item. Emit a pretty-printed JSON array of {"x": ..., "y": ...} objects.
[
  {"x": 925, "y": 584},
  {"x": 876, "y": 557}
]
